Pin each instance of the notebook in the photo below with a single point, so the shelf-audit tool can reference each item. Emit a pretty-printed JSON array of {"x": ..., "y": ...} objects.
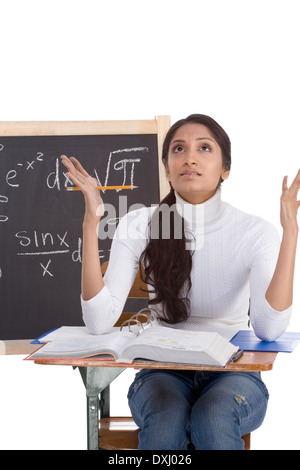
[{"x": 248, "y": 341}]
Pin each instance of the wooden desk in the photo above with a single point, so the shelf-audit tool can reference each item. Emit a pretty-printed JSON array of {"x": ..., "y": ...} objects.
[
  {"x": 97, "y": 376},
  {"x": 249, "y": 362}
]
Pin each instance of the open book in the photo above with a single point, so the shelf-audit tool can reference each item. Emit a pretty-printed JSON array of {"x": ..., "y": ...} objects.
[{"x": 139, "y": 341}]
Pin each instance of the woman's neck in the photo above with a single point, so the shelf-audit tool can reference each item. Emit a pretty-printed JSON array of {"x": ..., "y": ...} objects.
[{"x": 199, "y": 216}]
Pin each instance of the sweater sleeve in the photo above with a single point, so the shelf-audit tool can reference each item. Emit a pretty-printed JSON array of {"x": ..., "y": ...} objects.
[
  {"x": 102, "y": 311},
  {"x": 267, "y": 323}
]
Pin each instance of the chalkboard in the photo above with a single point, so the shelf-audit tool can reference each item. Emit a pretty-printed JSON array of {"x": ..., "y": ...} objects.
[{"x": 41, "y": 222}]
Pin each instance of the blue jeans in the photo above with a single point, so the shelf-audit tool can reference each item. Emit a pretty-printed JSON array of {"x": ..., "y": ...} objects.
[{"x": 210, "y": 410}]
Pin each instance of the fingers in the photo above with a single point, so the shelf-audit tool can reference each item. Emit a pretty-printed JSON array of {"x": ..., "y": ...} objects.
[
  {"x": 295, "y": 186},
  {"x": 73, "y": 164},
  {"x": 70, "y": 164},
  {"x": 284, "y": 184},
  {"x": 75, "y": 169},
  {"x": 78, "y": 166},
  {"x": 78, "y": 174},
  {"x": 78, "y": 182},
  {"x": 72, "y": 173}
]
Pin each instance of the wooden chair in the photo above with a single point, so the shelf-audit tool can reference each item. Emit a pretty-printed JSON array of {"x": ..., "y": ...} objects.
[{"x": 121, "y": 433}]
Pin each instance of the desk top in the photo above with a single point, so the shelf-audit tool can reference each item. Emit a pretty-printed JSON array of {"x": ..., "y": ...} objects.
[{"x": 251, "y": 361}]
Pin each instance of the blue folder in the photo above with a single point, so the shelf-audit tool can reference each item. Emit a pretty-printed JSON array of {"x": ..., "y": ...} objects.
[
  {"x": 248, "y": 341},
  {"x": 38, "y": 340}
]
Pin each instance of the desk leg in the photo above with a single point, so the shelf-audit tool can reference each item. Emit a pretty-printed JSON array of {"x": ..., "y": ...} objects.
[
  {"x": 96, "y": 379},
  {"x": 93, "y": 422}
]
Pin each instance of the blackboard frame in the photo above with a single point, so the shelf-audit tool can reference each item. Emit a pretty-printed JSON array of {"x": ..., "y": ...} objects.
[{"x": 157, "y": 126}]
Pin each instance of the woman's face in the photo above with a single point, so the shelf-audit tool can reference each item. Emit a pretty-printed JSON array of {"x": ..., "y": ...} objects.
[{"x": 194, "y": 165}]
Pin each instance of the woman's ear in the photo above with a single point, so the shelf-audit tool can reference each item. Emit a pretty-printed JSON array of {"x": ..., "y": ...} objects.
[
  {"x": 167, "y": 172},
  {"x": 225, "y": 174}
]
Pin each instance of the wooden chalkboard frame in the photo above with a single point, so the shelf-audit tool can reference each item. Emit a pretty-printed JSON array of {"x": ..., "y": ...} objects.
[{"x": 157, "y": 126}]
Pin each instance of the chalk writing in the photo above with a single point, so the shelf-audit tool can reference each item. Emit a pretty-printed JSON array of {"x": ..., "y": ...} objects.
[
  {"x": 53, "y": 179},
  {"x": 34, "y": 253},
  {"x": 56, "y": 181},
  {"x": 123, "y": 163},
  {"x": 40, "y": 242},
  {"x": 45, "y": 269},
  {"x": 4, "y": 199},
  {"x": 40, "y": 239},
  {"x": 11, "y": 175}
]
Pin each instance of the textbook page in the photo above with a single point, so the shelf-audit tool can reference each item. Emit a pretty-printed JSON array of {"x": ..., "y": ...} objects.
[
  {"x": 112, "y": 343},
  {"x": 175, "y": 339}
]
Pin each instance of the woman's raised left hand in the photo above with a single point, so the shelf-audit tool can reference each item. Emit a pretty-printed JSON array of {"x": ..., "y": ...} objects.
[{"x": 289, "y": 204}]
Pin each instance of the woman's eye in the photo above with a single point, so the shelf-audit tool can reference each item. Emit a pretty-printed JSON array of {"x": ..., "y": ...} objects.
[
  {"x": 178, "y": 149},
  {"x": 205, "y": 148}
]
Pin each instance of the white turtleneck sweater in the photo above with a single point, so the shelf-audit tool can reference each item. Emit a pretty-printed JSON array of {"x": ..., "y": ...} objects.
[{"x": 233, "y": 262}]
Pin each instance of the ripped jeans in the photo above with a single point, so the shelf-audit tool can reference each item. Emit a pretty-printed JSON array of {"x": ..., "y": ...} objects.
[{"x": 210, "y": 410}]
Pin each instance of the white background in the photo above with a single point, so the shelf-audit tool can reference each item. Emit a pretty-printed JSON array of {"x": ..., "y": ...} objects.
[{"x": 236, "y": 60}]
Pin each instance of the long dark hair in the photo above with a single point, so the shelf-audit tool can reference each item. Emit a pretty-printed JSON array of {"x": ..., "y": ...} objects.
[{"x": 167, "y": 263}]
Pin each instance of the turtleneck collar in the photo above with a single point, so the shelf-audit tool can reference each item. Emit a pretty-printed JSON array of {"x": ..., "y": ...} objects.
[{"x": 199, "y": 218}]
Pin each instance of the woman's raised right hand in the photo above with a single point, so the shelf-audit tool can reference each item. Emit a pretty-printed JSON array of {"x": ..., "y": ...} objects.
[{"x": 94, "y": 207}]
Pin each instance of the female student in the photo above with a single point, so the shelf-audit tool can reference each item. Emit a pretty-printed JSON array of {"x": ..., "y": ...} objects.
[{"x": 202, "y": 280}]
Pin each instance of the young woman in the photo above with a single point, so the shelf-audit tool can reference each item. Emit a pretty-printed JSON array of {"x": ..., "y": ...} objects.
[{"x": 201, "y": 280}]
